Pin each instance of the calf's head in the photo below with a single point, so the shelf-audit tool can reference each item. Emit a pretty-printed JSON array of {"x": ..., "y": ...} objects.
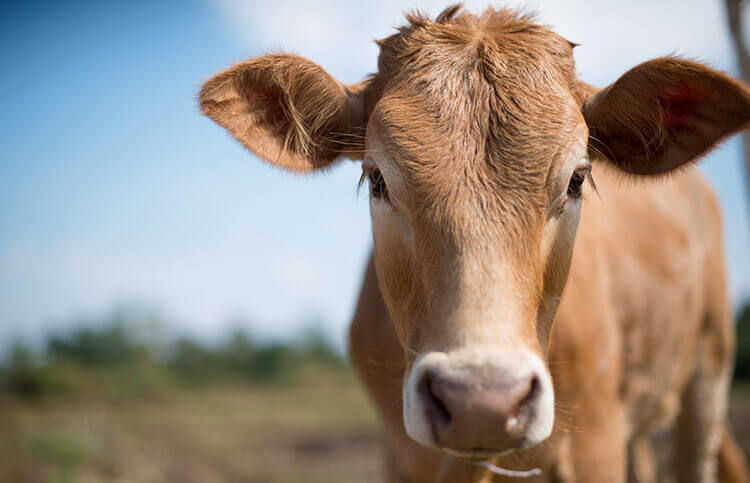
[{"x": 476, "y": 140}]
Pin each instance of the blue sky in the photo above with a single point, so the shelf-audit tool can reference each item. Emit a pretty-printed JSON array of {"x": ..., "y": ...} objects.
[{"x": 114, "y": 190}]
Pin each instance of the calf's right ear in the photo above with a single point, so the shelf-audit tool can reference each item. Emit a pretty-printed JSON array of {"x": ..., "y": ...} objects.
[
  {"x": 288, "y": 111},
  {"x": 664, "y": 113}
]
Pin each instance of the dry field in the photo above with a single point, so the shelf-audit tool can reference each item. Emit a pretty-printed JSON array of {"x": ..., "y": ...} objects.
[{"x": 319, "y": 429}]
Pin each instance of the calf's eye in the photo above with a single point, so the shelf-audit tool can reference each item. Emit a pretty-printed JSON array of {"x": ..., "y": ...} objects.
[
  {"x": 378, "y": 189},
  {"x": 576, "y": 183}
]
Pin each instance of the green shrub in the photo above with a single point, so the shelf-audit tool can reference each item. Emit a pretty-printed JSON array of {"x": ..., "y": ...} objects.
[
  {"x": 107, "y": 345},
  {"x": 21, "y": 375},
  {"x": 116, "y": 356}
]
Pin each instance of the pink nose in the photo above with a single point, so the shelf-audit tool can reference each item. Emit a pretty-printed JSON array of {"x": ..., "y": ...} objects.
[{"x": 488, "y": 412}]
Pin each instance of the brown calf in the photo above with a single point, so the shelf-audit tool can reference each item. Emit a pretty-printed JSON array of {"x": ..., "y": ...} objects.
[{"x": 478, "y": 139}]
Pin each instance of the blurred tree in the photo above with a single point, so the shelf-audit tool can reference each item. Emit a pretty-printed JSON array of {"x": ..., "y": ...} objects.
[
  {"x": 238, "y": 351},
  {"x": 21, "y": 374},
  {"x": 742, "y": 367},
  {"x": 192, "y": 361},
  {"x": 129, "y": 351},
  {"x": 735, "y": 17},
  {"x": 109, "y": 344},
  {"x": 272, "y": 362},
  {"x": 317, "y": 346}
]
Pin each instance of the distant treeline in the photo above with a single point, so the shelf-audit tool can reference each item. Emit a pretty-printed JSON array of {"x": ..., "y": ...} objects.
[{"x": 121, "y": 357}]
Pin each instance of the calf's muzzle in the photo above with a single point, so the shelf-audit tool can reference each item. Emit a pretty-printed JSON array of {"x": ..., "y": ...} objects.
[
  {"x": 489, "y": 412},
  {"x": 478, "y": 406}
]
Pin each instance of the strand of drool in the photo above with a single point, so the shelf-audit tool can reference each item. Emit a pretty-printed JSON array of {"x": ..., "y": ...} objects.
[{"x": 512, "y": 473}]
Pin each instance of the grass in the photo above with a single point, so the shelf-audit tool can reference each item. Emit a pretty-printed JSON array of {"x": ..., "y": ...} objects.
[
  {"x": 141, "y": 425},
  {"x": 318, "y": 429}
]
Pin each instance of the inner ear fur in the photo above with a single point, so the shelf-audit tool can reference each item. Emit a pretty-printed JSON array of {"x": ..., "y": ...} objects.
[
  {"x": 288, "y": 111},
  {"x": 664, "y": 113}
]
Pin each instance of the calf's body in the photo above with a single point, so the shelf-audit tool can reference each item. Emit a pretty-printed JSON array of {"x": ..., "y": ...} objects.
[
  {"x": 484, "y": 333},
  {"x": 643, "y": 341}
]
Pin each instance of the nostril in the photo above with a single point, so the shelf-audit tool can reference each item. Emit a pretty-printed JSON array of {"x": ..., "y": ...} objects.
[
  {"x": 517, "y": 420},
  {"x": 437, "y": 412},
  {"x": 535, "y": 387}
]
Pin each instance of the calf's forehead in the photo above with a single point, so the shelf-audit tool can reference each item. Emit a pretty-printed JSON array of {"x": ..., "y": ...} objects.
[
  {"x": 476, "y": 115},
  {"x": 504, "y": 149}
]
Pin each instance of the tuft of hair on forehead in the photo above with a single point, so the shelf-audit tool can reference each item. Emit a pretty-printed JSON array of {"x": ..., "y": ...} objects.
[
  {"x": 506, "y": 29},
  {"x": 522, "y": 66}
]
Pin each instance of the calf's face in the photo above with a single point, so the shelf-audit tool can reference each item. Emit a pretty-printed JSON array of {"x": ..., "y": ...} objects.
[
  {"x": 476, "y": 139},
  {"x": 474, "y": 204}
]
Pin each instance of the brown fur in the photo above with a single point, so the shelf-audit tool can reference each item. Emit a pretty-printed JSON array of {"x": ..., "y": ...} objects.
[{"x": 474, "y": 122}]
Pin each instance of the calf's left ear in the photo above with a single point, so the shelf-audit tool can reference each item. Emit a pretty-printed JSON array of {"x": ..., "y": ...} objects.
[{"x": 664, "y": 113}]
